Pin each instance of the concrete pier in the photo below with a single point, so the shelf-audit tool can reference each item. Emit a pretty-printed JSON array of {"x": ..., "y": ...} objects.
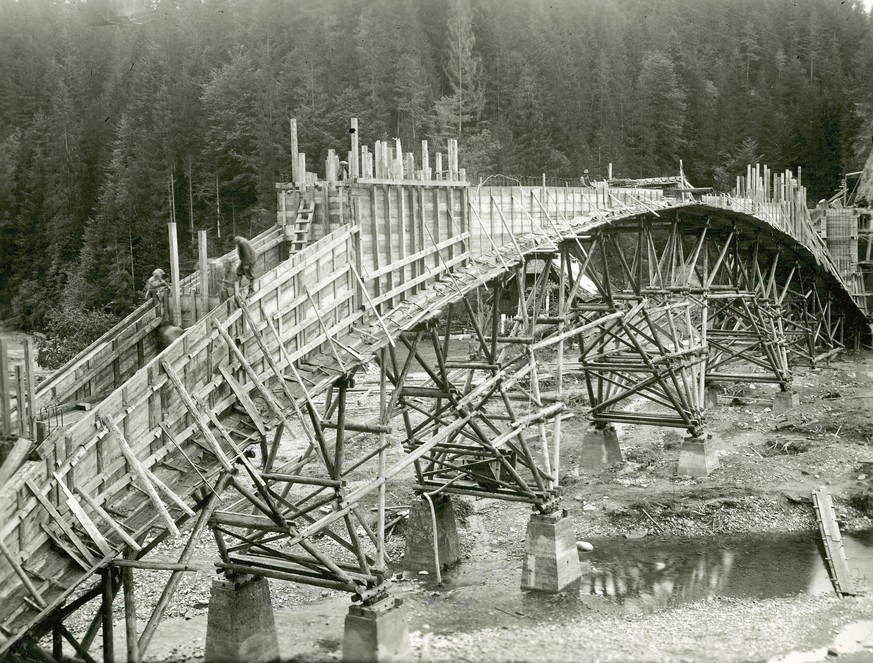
[
  {"x": 240, "y": 624},
  {"x": 377, "y": 633},
  {"x": 551, "y": 561},
  {"x": 600, "y": 448},
  {"x": 697, "y": 457},
  {"x": 785, "y": 401},
  {"x": 419, "y": 535}
]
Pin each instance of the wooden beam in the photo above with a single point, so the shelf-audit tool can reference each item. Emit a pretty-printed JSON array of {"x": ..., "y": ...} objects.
[
  {"x": 109, "y": 520},
  {"x": 127, "y": 583},
  {"x": 5, "y": 389},
  {"x": 59, "y": 520},
  {"x": 30, "y": 378},
  {"x": 198, "y": 416},
  {"x": 87, "y": 524},
  {"x": 203, "y": 267},
  {"x": 174, "y": 274},
  {"x": 20, "y": 572},
  {"x": 106, "y": 616},
  {"x": 244, "y": 399},
  {"x": 140, "y": 473},
  {"x": 187, "y": 552}
]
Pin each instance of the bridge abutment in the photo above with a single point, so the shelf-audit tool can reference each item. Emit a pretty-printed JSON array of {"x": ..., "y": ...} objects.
[
  {"x": 377, "y": 633},
  {"x": 551, "y": 561},
  {"x": 600, "y": 448},
  {"x": 420, "y": 535},
  {"x": 240, "y": 623},
  {"x": 697, "y": 456}
]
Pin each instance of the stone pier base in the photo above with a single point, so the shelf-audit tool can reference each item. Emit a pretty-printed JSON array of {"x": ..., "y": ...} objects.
[
  {"x": 240, "y": 624},
  {"x": 697, "y": 457},
  {"x": 377, "y": 633},
  {"x": 551, "y": 561},
  {"x": 419, "y": 535},
  {"x": 785, "y": 401},
  {"x": 600, "y": 448}
]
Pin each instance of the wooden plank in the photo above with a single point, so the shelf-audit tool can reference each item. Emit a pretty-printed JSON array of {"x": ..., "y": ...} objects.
[
  {"x": 140, "y": 473},
  {"x": 16, "y": 457},
  {"x": 174, "y": 498},
  {"x": 83, "y": 518},
  {"x": 20, "y": 572},
  {"x": 198, "y": 416},
  {"x": 833, "y": 542},
  {"x": 244, "y": 400},
  {"x": 59, "y": 520},
  {"x": 66, "y": 549},
  {"x": 109, "y": 520}
]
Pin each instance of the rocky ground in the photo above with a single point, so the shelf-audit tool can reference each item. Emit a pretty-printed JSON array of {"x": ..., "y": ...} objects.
[{"x": 769, "y": 465}]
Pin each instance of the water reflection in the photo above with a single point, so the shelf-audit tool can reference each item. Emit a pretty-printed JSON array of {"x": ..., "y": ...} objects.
[{"x": 658, "y": 572}]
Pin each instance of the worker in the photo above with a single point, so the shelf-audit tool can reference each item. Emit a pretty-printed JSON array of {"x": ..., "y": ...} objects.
[
  {"x": 156, "y": 286},
  {"x": 586, "y": 181},
  {"x": 247, "y": 258}
]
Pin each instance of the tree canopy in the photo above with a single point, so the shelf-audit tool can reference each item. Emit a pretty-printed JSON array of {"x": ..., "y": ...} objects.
[{"x": 117, "y": 116}]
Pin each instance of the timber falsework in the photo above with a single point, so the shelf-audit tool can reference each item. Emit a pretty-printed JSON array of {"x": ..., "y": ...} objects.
[{"x": 468, "y": 300}]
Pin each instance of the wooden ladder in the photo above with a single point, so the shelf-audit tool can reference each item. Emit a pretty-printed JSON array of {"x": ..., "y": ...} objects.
[
  {"x": 835, "y": 554},
  {"x": 300, "y": 228}
]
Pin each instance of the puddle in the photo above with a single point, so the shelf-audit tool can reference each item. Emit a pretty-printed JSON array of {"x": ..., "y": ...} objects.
[
  {"x": 660, "y": 572},
  {"x": 623, "y": 576}
]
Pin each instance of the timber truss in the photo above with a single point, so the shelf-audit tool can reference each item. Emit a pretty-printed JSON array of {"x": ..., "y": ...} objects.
[{"x": 652, "y": 306}]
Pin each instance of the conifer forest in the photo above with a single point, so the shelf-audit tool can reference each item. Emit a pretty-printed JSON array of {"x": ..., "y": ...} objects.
[{"x": 111, "y": 128}]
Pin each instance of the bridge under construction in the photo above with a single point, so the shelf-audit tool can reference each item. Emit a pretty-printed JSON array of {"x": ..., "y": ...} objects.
[{"x": 468, "y": 302}]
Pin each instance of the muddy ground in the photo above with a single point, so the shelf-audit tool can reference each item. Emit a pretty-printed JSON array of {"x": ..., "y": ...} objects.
[{"x": 769, "y": 465}]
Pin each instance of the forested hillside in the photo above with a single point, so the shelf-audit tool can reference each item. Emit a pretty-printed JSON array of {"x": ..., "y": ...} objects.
[{"x": 108, "y": 130}]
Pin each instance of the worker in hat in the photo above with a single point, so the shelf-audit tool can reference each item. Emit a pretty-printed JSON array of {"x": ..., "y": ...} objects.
[{"x": 156, "y": 286}]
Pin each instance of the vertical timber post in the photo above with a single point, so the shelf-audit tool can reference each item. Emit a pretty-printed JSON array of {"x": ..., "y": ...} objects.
[
  {"x": 295, "y": 163},
  {"x": 5, "y": 390},
  {"x": 133, "y": 655},
  {"x": 106, "y": 615},
  {"x": 30, "y": 380},
  {"x": 174, "y": 274},
  {"x": 354, "y": 163},
  {"x": 21, "y": 400},
  {"x": 203, "y": 266}
]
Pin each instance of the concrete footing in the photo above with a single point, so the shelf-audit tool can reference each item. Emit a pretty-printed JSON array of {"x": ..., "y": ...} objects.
[
  {"x": 710, "y": 397},
  {"x": 785, "y": 400},
  {"x": 240, "y": 624},
  {"x": 697, "y": 457},
  {"x": 419, "y": 535},
  {"x": 551, "y": 561},
  {"x": 377, "y": 633},
  {"x": 600, "y": 448}
]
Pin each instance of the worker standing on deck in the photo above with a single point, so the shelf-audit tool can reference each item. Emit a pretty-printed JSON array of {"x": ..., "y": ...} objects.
[
  {"x": 156, "y": 286},
  {"x": 247, "y": 257}
]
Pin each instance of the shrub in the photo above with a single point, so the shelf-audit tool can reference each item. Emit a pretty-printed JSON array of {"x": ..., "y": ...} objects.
[{"x": 69, "y": 330}]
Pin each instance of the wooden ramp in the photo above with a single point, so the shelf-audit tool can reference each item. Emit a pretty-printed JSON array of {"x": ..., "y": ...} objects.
[{"x": 835, "y": 553}]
